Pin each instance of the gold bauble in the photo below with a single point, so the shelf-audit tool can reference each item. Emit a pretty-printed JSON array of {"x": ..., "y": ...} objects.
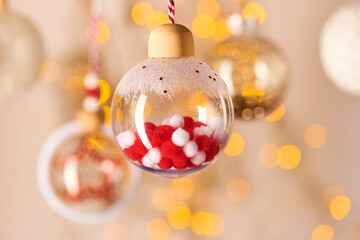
[{"x": 255, "y": 72}]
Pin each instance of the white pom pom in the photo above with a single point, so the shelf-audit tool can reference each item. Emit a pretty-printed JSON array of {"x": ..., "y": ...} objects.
[
  {"x": 126, "y": 139},
  {"x": 147, "y": 162},
  {"x": 90, "y": 104},
  {"x": 203, "y": 130},
  {"x": 199, "y": 158},
  {"x": 155, "y": 155},
  {"x": 90, "y": 81},
  {"x": 220, "y": 136},
  {"x": 190, "y": 149},
  {"x": 120, "y": 141},
  {"x": 166, "y": 121},
  {"x": 176, "y": 121},
  {"x": 216, "y": 123},
  {"x": 180, "y": 137}
]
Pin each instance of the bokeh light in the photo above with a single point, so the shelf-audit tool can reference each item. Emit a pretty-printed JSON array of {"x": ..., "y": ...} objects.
[
  {"x": 81, "y": 69},
  {"x": 315, "y": 135},
  {"x": 288, "y": 157},
  {"x": 118, "y": 116},
  {"x": 202, "y": 223},
  {"x": 277, "y": 115},
  {"x": 183, "y": 188},
  {"x": 267, "y": 155},
  {"x": 49, "y": 71},
  {"x": 222, "y": 32},
  {"x": 198, "y": 98},
  {"x": 156, "y": 19},
  {"x": 208, "y": 7},
  {"x": 141, "y": 12},
  {"x": 163, "y": 198},
  {"x": 105, "y": 91},
  {"x": 235, "y": 146},
  {"x": 238, "y": 190},
  {"x": 158, "y": 229},
  {"x": 179, "y": 215},
  {"x": 204, "y": 26},
  {"x": 219, "y": 226},
  {"x": 103, "y": 33},
  {"x": 107, "y": 116},
  {"x": 74, "y": 87},
  {"x": 323, "y": 232},
  {"x": 340, "y": 207},
  {"x": 254, "y": 11},
  {"x": 330, "y": 193},
  {"x": 115, "y": 231}
]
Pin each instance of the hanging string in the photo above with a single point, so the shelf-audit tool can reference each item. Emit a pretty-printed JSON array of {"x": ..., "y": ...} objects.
[
  {"x": 171, "y": 11},
  {"x": 92, "y": 93},
  {"x": 93, "y": 57}
]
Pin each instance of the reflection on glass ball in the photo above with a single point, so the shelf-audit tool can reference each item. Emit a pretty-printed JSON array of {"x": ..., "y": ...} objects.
[
  {"x": 172, "y": 116},
  {"x": 83, "y": 176},
  {"x": 21, "y": 54},
  {"x": 340, "y": 48},
  {"x": 255, "y": 72}
]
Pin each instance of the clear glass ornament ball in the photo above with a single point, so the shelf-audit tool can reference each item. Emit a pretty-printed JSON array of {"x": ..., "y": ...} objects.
[
  {"x": 172, "y": 116},
  {"x": 21, "y": 54},
  {"x": 83, "y": 176}
]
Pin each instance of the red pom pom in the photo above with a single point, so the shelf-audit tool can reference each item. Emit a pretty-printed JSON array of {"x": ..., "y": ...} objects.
[
  {"x": 203, "y": 142},
  {"x": 189, "y": 123},
  {"x": 149, "y": 126},
  {"x": 191, "y": 165},
  {"x": 153, "y": 138},
  {"x": 180, "y": 161},
  {"x": 199, "y": 124},
  {"x": 169, "y": 149},
  {"x": 137, "y": 151},
  {"x": 164, "y": 132},
  {"x": 212, "y": 151},
  {"x": 165, "y": 163}
]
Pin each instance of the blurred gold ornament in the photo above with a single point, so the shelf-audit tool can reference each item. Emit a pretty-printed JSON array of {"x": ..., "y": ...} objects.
[
  {"x": 21, "y": 53},
  {"x": 254, "y": 70}
]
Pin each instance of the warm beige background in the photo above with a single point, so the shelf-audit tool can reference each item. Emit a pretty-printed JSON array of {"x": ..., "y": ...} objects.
[{"x": 282, "y": 204}]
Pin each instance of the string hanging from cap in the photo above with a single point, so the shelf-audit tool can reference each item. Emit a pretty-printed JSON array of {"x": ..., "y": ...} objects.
[
  {"x": 88, "y": 117},
  {"x": 171, "y": 11},
  {"x": 92, "y": 94}
]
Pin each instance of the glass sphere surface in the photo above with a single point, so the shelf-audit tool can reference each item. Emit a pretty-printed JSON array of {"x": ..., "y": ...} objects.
[
  {"x": 255, "y": 72},
  {"x": 340, "y": 48},
  {"x": 88, "y": 173},
  {"x": 83, "y": 176},
  {"x": 21, "y": 53},
  {"x": 172, "y": 116}
]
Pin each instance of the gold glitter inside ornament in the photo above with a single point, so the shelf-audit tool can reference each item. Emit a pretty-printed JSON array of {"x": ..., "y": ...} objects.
[
  {"x": 89, "y": 173},
  {"x": 255, "y": 72}
]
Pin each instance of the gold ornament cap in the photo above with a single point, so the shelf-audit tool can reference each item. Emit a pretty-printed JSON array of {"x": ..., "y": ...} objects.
[
  {"x": 171, "y": 40},
  {"x": 88, "y": 121}
]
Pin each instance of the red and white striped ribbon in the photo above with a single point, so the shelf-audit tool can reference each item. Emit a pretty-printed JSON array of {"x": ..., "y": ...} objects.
[
  {"x": 171, "y": 11},
  {"x": 92, "y": 92},
  {"x": 93, "y": 57}
]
